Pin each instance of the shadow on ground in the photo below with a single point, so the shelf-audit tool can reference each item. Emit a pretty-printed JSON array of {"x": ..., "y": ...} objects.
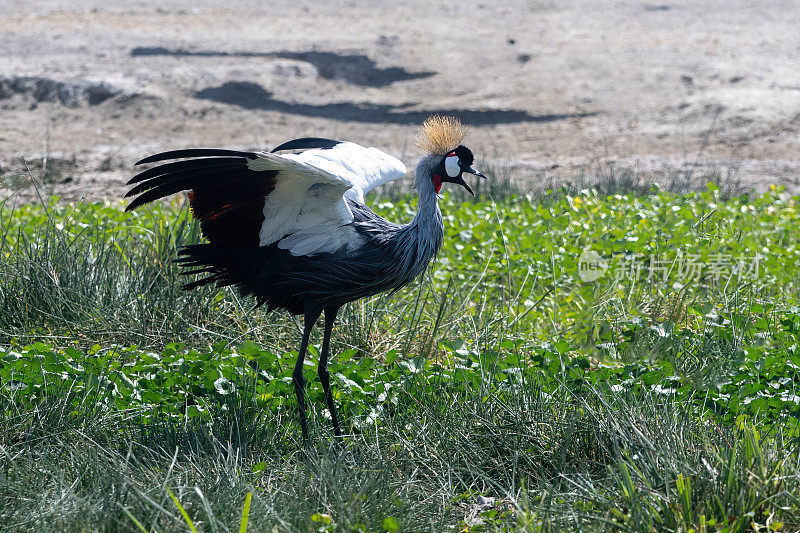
[
  {"x": 357, "y": 69},
  {"x": 250, "y": 95}
]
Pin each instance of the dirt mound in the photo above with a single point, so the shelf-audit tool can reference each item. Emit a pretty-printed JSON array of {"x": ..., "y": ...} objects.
[{"x": 71, "y": 94}]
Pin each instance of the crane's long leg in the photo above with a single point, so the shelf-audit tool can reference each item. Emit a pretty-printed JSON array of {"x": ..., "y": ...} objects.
[
  {"x": 322, "y": 370},
  {"x": 311, "y": 316}
]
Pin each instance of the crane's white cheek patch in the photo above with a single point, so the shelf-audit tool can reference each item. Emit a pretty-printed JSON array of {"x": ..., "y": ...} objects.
[{"x": 451, "y": 166}]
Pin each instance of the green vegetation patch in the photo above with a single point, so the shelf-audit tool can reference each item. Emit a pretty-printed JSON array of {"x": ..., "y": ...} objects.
[{"x": 570, "y": 361}]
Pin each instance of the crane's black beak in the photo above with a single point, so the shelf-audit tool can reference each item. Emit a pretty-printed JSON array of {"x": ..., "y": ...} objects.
[
  {"x": 459, "y": 180},
  {"x": 463, "y": 183},
  {"x": 470, "y": 170}
]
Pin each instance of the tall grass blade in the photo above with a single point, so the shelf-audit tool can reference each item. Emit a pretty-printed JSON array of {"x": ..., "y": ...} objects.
[
  {"x": 182, "y": 511},
  {"x": 245, "y": 513}
]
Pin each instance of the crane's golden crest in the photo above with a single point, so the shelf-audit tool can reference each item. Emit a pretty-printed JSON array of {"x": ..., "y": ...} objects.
[{"x": 440, "y": 135}]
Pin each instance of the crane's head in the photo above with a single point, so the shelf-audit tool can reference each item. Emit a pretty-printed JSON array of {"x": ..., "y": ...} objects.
[{"x": 441, "y": 137}]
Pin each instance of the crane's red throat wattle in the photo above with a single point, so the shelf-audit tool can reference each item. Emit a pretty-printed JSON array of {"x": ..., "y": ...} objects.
[{"x": 437, "y": 183}]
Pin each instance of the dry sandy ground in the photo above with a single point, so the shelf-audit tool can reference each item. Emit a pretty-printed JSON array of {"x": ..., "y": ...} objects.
[{"x": 554, "y": 91}]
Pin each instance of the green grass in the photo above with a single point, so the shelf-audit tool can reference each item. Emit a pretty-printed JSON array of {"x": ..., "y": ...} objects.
[{"x": 500, "y": 393}]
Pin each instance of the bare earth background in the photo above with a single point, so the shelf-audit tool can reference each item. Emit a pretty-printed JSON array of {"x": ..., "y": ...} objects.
[{"x": 554, "y": 91}]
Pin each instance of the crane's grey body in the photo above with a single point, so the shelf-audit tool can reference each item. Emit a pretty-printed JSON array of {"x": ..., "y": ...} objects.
[
  {"x": 391, "y": 256},
  {"x": 293, "y": 231}
]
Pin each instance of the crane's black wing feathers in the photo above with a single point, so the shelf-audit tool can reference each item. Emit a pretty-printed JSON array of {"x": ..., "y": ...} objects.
[
  {"x": 178, "y": 166},
  {"x": 306, "y": 143},
  {"x": 225, "y": 195},
  {"x": 195, "y": 152}
]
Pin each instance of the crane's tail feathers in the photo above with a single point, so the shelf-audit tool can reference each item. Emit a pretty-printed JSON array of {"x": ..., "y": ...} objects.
[
  {"x": 241, "y": 266},
  {"x": 210, "y": 260},
  {"x": 195, "y": 152},
  {"x": 226, "y": 265}
]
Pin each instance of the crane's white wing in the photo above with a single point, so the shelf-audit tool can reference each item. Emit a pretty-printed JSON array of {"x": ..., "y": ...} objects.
[
  {"x": 362, "y": 168},
  {"x": 306, "y": 212}
]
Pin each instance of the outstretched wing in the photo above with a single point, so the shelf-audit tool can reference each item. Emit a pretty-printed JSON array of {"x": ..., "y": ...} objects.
[
  {"x": 256, "y": 199},
  {"x": 363, "y": 168}
]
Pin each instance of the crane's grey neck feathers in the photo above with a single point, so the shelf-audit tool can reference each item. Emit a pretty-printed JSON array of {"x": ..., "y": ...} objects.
[
  {"x": 403, "y": 251},
  {"x": 427, "y": 224}
]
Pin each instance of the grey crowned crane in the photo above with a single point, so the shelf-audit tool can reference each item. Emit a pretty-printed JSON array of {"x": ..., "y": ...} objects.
[{"x": 293, "y": 231}]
